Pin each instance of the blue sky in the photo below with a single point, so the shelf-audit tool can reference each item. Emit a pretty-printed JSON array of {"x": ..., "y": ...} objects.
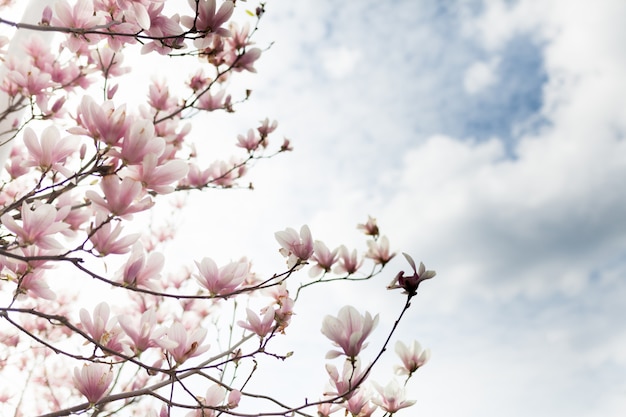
[{"x": 487, "y": 138}]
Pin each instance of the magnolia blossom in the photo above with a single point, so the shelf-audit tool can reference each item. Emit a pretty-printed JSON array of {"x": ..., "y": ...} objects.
[
  {"x": 50, "y": 151},
  {"x": 106, "y": 240},
  {"x": 378, "y": 251},
  {"x": 345, "y": 385},
  {"x": 93, "y": 380},
  {"x": 412, "y": 356},
  {"x": 358, "y": 405},
  {"x": 187, "y": 343},
  {"x": 370, "y": 227},
  {"x": 122, "y": 197},
  {"x": 260, "y": 326},
  {"x": 33, "y": 284},
  {"x": 224, "y": 280},
  {"x": 158, "y": 176},
  {"x": 348, "y": 331},
  {"x": 143, "y": 270},
  {"x": 102, "y": 328},
  {"x": 410, "y": 282},
  {"x": 392, "y": 397},
  {"x": 324, "y": 258},
  {"x": 295, "y": 247},
  {"x": 348, "y": 262},
  {"x": 39, "y": 224},
  {"x": 143, "y": 331}
]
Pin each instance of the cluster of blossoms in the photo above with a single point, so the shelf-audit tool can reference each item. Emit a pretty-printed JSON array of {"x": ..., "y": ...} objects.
[{"x": 82, "y": 167}]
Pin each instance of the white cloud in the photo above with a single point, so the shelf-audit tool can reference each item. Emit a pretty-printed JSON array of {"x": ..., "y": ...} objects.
[
  {"x": 341, "y": 61},
  {"x": 480, "y": 75}
]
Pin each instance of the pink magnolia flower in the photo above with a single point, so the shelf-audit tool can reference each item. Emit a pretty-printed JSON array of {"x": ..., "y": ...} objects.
[
  {"x": 392, "y": 397},
  {"x": 245, "y": 62},
  {"x": 158, "y": 177},
  {"x": 214, "y": 402},
  {"x": 324, "y": 258},
  {"x": 249, "y": 142},
  {"x": 296, "y": 247},
  {"x": 348, "y": 262},
  {"x": 122, "y": 197},
  {"x": 141, "y": 270},
  {"x": 143, "y": 331},
  {"x": 410, "y": 283},
  {"x": 140, "y": 141},
  {"x": 208, "y": 21},
  {"x": 33, "y": 284},
  {"x": 378, "y": 251},
  {"x": 370, "y": 227},
  {"x": 224, "y": 280},
  {"x": 101, "y": 327},
  {"x": 348, "y": 331},
  {"x": 359, "y": 404},
  {"x": 260, "y": 326},
  {"x": 187, "y": 343},
  {"x": 106, "y": 240},
  {"x": 101, "y": 121},
  {"x": 412, "y": 356},
  {"x": 29, "y": 80},
  {"x": 165, "y": 30},
  {"x": 93, "y": 380},
  {"x": 38, "y": 226},
  {"x": 80, "y": 16},
  {"x": 266, "y": 127},
  {"x": 50, "y": 151},
  {"x": 159, "y": 96},
  {"x": 346, "y": 384}
]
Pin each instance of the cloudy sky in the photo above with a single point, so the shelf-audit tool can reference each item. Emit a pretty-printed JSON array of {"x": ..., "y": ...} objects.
[{"x": 487, "y": 138}]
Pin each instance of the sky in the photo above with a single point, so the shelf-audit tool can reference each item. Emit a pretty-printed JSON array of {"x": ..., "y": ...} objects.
[{"x": 487, "y": 138}]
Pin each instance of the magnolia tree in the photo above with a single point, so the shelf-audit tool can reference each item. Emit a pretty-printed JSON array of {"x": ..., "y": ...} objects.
[{"x": 82, "y": 168}]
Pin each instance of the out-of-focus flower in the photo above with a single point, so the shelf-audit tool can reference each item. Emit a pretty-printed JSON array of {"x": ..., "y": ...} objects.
[
  {"x": 324, "y": 258},
  {"x": 295, "y": 246},
  {"x": 370, "y": 227},
  {"x": 93, "y": 380},
  {"x": 346, "y": 384},
  {"x": 378, "y": 251},
  {"x": 412, "y": 356},
  {"x": 348, "y": 331},
  {"x": 358, "y": 405},
  {"x": 348, "y": 262},
  {"x": 392, "y": 397},
  {"x": 410, "y": 283},
  {"x": 143, "y": 332},
  {"x": 260, "y": 326},
  {"x": 106, "y": 240}
]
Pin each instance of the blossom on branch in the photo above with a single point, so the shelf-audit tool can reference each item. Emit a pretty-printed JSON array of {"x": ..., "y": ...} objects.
[
  {"x": 412, "y": 356},
  {"x": 348, "y": 331},
  {"x": 38, "y": 225},
  {"x": 378, "y": 251},
  {"x": 295, "y": 247},
  {"x": 93, "y": 380},
  {"x": 260, "y": 326},
  {"x": 392, "y": 397},
  {"x": 410, "y": 282}
]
